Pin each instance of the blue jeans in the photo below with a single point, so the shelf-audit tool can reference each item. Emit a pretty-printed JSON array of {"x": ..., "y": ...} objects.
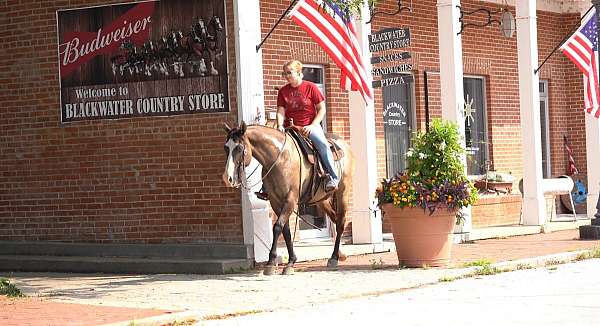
[{"x": 317, "y": 136}]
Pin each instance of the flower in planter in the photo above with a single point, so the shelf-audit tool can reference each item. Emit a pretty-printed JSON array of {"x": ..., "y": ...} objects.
[{"x": 435, "y": 177}]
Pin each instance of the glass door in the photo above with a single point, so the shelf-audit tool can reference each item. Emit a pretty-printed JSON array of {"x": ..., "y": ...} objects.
[
  {"x": 475, "y": 125},
  {"x": 315, "y": 74}
]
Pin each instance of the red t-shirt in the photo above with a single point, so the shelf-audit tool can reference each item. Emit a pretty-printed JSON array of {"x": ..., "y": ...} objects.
[{"x": 300, "y": 102}]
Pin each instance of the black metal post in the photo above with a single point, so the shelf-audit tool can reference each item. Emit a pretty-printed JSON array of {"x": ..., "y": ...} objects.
[
  {"x": 276, "y": 24},
  {"x": 535, "y": 71}
]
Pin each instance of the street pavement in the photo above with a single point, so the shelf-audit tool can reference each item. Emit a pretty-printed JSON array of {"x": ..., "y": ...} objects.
[
  {"x": 76, "y": 299},
  {"x": 558, "y": 295}
]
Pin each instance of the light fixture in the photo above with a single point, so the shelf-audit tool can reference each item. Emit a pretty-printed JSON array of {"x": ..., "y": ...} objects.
[
  {"x": 507, "y": 23},
  {"x": 507, "y": 20}
]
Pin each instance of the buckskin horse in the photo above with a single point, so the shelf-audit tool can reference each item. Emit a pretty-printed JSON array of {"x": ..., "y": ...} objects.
[{"x": 287, "y": 175}]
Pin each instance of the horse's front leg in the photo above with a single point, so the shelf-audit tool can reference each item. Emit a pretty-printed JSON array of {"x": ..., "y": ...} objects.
[
  {"x": 289, "y": 242},
  {"x": 278, "y": 228}
]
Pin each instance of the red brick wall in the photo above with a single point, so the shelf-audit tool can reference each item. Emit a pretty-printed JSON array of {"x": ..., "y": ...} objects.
[
  {"x": 140, "y": 180},
  {"x": 497, "y": 210}
]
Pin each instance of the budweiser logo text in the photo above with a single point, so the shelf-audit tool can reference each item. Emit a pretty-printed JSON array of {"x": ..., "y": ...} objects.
[{"x": 83, "y": 46}]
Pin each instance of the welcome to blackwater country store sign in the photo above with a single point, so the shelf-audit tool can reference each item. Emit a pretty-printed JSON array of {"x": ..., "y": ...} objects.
[{"x": 153, "y": 58}]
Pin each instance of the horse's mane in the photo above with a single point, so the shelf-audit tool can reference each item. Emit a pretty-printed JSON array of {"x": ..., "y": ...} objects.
[{"x": 236, "y": 133}]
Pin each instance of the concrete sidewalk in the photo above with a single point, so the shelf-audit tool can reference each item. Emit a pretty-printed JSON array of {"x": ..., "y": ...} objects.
[{"x": 201, "y": 297}]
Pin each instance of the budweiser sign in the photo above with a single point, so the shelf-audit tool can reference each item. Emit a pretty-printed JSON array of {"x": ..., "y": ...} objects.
[{"x": 80, "y": 47}]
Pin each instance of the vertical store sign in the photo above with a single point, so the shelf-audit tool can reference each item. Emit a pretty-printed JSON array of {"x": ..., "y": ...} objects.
[
  {"x": 153, "y": 58},
  {"x": 389, "y": 66}
]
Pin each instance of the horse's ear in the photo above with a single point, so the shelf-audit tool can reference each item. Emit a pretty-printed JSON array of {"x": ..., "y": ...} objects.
[
  {"x": 226, "y": 127},
  {"x": 243, "y": 127}
]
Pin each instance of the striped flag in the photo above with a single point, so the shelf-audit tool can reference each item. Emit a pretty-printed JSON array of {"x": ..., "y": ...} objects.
[
  {"x": 582, "y": 49},
  {"x": 571, "y": 168},
  {"x": 338, "y": 37}
]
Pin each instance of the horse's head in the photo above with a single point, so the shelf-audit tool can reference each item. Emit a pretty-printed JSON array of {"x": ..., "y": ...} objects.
[
  {"x": 200, "y": 28},
  {"x": 239, "y": 154},
  {"x": 216, "y": 22}
]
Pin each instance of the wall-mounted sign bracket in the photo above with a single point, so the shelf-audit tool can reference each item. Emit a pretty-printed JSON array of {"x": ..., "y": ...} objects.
[{"x": 400, "y": 9}]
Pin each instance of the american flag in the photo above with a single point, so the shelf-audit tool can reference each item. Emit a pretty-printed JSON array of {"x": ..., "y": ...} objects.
[
  {"x": 571, "y": 168},
  {"x": 582, "y": 49},
  {"x": 338, "y": 37}
]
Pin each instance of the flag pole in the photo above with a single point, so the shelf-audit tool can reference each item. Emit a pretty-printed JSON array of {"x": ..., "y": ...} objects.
[
  {"x": 277, "y": 23},
  {"x": 565, "y": 38}
]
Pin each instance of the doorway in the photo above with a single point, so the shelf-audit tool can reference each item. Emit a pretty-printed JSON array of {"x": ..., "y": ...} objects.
[{"x": 316, "y": 74}]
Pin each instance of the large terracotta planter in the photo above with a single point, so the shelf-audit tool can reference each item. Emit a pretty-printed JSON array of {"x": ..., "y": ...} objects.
[{"x": 421, "y": 239}]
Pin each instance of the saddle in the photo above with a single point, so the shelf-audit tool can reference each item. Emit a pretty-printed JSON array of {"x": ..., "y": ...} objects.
[
  {"x": 316, "y": 191},
  {"x": 308, "y": 149}
]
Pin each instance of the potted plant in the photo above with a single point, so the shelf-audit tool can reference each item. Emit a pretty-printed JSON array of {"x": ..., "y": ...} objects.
[{"x": 423, "y": 203}]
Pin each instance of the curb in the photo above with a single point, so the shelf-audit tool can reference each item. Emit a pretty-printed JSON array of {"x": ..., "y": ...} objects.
[
  {"x": 542, "y": 261},
  {"x": 160, "y": 320}
]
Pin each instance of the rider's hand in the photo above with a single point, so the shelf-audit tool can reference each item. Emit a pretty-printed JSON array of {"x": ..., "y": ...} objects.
[{"x": 307, "y": 130}]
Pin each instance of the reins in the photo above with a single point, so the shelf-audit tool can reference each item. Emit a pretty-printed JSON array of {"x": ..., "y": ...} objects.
[{"x": 256, "y": 168}]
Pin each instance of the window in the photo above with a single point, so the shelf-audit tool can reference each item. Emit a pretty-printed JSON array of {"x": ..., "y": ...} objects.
[
  {"x": 544, "y": 128},
  {"x": 398, "y": 123},
  {"x": 475, "y": 125},
  {"x": 316, "y": 74}
]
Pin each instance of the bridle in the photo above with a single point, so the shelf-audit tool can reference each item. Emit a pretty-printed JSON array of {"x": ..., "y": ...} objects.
[{"x": 246, "y": 186}]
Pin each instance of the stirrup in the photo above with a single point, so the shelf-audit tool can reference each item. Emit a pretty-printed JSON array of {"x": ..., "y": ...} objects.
[{"x": 262, "y": 195}]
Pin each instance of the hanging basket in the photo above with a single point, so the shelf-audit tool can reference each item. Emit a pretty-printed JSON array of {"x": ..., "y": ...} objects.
[{"x": 421, "y": 239}]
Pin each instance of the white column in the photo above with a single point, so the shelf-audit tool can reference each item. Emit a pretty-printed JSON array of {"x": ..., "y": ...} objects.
[
  {"x": 250, "y": 98},
  {"x": 534, "y": 209},
  {"x": 366, "y": 218},
  {"x": 451, "y": 79},
  {"x": 592, "y": 146}
]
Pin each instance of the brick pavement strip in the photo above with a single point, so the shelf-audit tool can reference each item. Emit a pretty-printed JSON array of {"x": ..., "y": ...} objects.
[
  {"x": 217, "y": 295},
  {"x": 37, "y": 311}
]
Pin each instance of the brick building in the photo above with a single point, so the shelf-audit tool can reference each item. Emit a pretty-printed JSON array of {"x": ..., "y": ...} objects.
[{"x": 157, "y": 179}]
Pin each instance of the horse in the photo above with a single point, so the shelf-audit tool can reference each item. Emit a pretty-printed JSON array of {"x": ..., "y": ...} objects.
[
  {"x": 205, "y": 44},
  {"x": 128, "y": 58},
  {"x": 286, "y": 174}
]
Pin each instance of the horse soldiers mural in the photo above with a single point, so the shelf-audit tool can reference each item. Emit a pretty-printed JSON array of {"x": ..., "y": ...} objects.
[
  {"x": 291, "y": 179},
  {"x": 152, "y": 58}
]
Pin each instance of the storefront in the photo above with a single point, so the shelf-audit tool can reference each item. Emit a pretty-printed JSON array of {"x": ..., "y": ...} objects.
[{"x": 108, "y": 139}]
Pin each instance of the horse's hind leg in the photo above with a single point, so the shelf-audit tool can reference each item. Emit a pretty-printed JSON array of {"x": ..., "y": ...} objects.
[
  {"x": 287, "y": 235},
  {"x": 341, "y": 205}
]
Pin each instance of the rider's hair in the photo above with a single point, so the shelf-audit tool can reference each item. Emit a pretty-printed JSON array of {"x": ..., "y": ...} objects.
[{"x": 294, "y": 64}]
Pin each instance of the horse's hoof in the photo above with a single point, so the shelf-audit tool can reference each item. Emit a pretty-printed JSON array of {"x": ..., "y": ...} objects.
[
  {"x": 331, "y": 263},
  {"x": 269, "y": 270},
  {"x": 289, "y": 270}
]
